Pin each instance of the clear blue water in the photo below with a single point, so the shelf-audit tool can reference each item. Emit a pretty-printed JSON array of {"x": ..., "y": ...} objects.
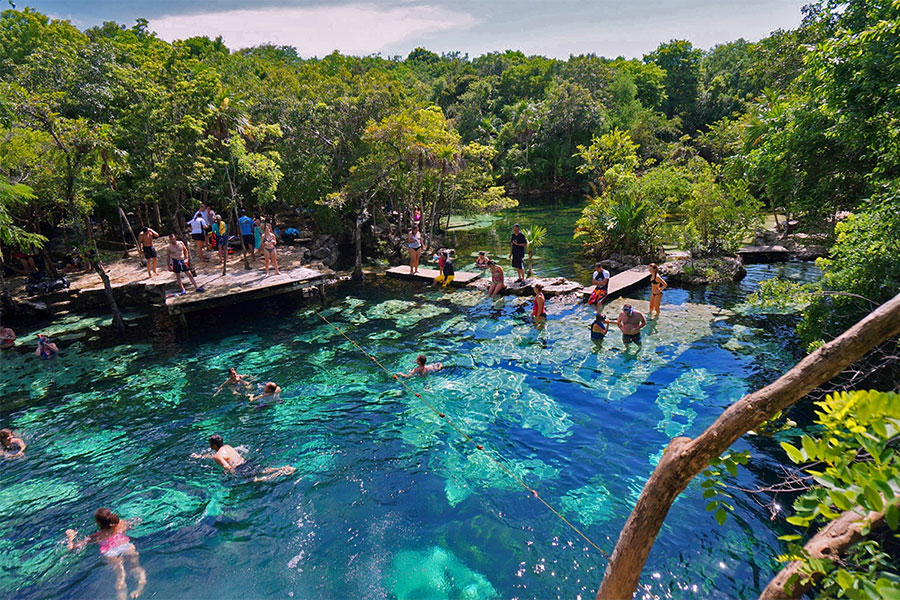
[{"x": 386, "y": 502}]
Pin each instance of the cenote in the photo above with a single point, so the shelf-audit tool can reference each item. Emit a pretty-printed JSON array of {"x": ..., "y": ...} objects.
[{"x": 388, "y": 502}]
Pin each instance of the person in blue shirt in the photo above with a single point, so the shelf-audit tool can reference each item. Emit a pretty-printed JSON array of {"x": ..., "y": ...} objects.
[{"x": 247, "y": 236}]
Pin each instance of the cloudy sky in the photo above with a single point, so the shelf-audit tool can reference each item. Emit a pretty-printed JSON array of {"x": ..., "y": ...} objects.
[{"x": 393, "y": 27}]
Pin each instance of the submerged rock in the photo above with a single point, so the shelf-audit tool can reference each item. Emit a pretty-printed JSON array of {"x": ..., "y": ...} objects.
[
  {"x": 703, "y": 271},
  {"x": 436, "y": 573}
]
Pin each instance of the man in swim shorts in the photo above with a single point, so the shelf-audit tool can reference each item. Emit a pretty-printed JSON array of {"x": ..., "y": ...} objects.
[
  {"x": 518, "y": 243},
  {"x": 631, "y": 322},
  {"x": 231, "y": 460},
  {"x": 145, "y": 239},
  {"x": 177, "y": 258}
]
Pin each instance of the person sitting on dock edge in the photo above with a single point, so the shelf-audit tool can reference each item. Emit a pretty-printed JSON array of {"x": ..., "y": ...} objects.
[
  {"x": 518, "y": 243},
  {"x": 600, "y": 279},
  {"x": 231, "y": 460},
  {"x": 497, "y": 283},
  {"x": 631, "y": 322},
  {"x": 177, "y": 258},
  {"x": 447, "y": 271},
  {"x": 421, "y": 368}
]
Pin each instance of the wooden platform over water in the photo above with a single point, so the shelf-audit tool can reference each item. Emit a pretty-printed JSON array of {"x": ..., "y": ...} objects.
[
  {"x": 624, "y": 281},
  {"x": 427, "y": 275},
  {"x": 241, "y": 286}
]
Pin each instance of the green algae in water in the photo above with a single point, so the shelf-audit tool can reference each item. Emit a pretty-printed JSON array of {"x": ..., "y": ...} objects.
[
  {"x": 436, "y": 573},
  {"x": 589, "y": 504},
  {"x": 675, "y": 400},
  {"x": 32, "y": 497}
]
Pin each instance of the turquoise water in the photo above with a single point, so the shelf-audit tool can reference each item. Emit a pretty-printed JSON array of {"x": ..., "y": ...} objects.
[{"x": 387, "y": 502}]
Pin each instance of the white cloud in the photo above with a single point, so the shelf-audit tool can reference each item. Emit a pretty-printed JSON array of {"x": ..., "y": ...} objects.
[{"x": 352, "y": 28}]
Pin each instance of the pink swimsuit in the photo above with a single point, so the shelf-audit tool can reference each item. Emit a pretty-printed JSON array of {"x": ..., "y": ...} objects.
[{"x": 116, "y": 545}]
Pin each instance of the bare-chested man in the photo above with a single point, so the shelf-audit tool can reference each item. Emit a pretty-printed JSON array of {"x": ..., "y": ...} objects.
[
  {"x": 631, "y": 322},
  {"x": 231, "y": 460},
  {"x": 145, "y": 239},
  {"x": 177, "y": 258}
]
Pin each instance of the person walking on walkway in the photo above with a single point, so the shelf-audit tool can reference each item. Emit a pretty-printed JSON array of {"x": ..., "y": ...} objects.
[
  {"x": 518, "y": 243},
  {"x": 178, "y": 260},
  {"x": 246, "y": 224},
  {"x": 269, "y": 240},
  {"x": 145, "y": 239},
  {"x": 414, "y": 243}
]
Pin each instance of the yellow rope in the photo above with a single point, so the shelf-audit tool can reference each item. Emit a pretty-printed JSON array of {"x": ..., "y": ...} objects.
[{"x": 467, "y": 437}]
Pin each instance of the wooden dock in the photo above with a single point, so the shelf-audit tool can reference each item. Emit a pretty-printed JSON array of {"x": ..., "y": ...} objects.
[
  {"x": 241, "y": 286},
  {"x": 624, "y": 281},
  {"x": 461, "y": 278},
  {"x": 764, "y": 254}
]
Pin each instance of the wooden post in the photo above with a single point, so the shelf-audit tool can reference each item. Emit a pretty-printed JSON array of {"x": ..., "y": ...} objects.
[{"x": 685, "y": 458}]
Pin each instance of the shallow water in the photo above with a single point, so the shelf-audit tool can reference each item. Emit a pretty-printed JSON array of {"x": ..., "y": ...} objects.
[{"x": 386, "y": 501}]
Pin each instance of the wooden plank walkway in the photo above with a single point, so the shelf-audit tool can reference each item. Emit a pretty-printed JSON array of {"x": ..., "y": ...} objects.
[
  {"x": 427, "y": 275},
  {"x": 624, "y": 281},
  {"x": 240, "y": 285},
  {"x": 764, "y": 254}
]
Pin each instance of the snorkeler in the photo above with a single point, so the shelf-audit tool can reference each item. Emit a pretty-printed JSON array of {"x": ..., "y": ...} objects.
[
  {"x": 116, "y": 548},
  {"x": 231, "y": 460},
  {"x": 7, "y": 338},
  {"x": 270, "y": 390},
  {"x": 45, "y": 348},
  {"x": 234, "y": 380},
  {"x": 421, "y": 368},
  {"x": 631, "y": 322},
  {"x": 12, "y": 446}
]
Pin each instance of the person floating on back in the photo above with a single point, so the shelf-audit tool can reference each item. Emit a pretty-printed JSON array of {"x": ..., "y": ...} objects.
[
  {"x": 421, "y": 368},
  {"x": 518, "y": 243},
  {"x": 600, "y": 279},
  {"x": 447, "y": 271},
  {"x": 657, "y": 285},
  {"x": 631, "y": 322},
  {"x": 231, "y": 460},
  {"x": 116, "y": 548},
  {"x": 12, "y": 446}
]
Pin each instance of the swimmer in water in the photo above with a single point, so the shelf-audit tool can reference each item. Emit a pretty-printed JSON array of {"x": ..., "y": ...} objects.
[
  {"x": 231, "y": 460},
  {"x": 421, "y": 368},
  {"x": 235, "y": 381},
  {"x": 270, "y": 390},
  {"x": 45, "y": 348},
  {"x": 14, "y": 447},
  {"x": 7, "y": 338},
  {"x": 116, "y": 548}
]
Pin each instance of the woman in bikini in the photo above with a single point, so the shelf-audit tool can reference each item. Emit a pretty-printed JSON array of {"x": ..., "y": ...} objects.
[
  {"x": 414, "y": 243},
  {"x": 268, "y": 245},
  {"x": 657, "y": 285},
  {"x": 497, "y": 284},
  {"x": 116, "y": 548},
  {"x": 538, "y": 311}
]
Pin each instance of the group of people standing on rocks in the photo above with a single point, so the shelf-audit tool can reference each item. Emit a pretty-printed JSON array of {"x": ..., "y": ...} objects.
[
  {"x": 630, "y": 321},
  {"x": 210, "y": 232}
]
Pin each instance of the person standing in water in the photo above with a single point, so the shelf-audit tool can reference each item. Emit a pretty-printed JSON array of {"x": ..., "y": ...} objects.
[
  {"x": 45, "y": 348},
  {"x": 145, "y": 239},
  {"x": 657, "y": 285},
  {"x": 421, "y": 368},
  {"x": 7, "y": 337},
  {"x": 600, "y": 327},
  {"x": 497, "y": 284},
  {"x": 518, "y": 243},
  {"x": 631, "y": 322},
  {"x": 538, "y": 310},
  {"x": 177, "y": 258},
  {"x": 232, "y": 461},
  {"x": 13, "y": 446},
  {"x": 234, "y": 380},
  {"x": 414, "y": 243},
  {"x": 116, "y": 548}
]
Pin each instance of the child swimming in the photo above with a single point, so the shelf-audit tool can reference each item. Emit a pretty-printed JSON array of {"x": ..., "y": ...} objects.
[{"x": 116, "y": 548}]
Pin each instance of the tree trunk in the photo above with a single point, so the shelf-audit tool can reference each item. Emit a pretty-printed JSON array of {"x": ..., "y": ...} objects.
[
  {"x": 94, "y": 260},
  {"x": 357, "y": 243},
  {"x": 685, "y": 458},
  {"x": 830, "y": 543},
  {"x": 140, "y": 253}
]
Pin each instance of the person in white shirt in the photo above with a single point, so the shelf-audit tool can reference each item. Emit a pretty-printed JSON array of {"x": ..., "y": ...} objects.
[{"x": 198, "y": 224}]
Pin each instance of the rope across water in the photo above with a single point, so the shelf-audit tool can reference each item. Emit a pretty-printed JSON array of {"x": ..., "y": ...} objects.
[{"x": 466, "y": 436}]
